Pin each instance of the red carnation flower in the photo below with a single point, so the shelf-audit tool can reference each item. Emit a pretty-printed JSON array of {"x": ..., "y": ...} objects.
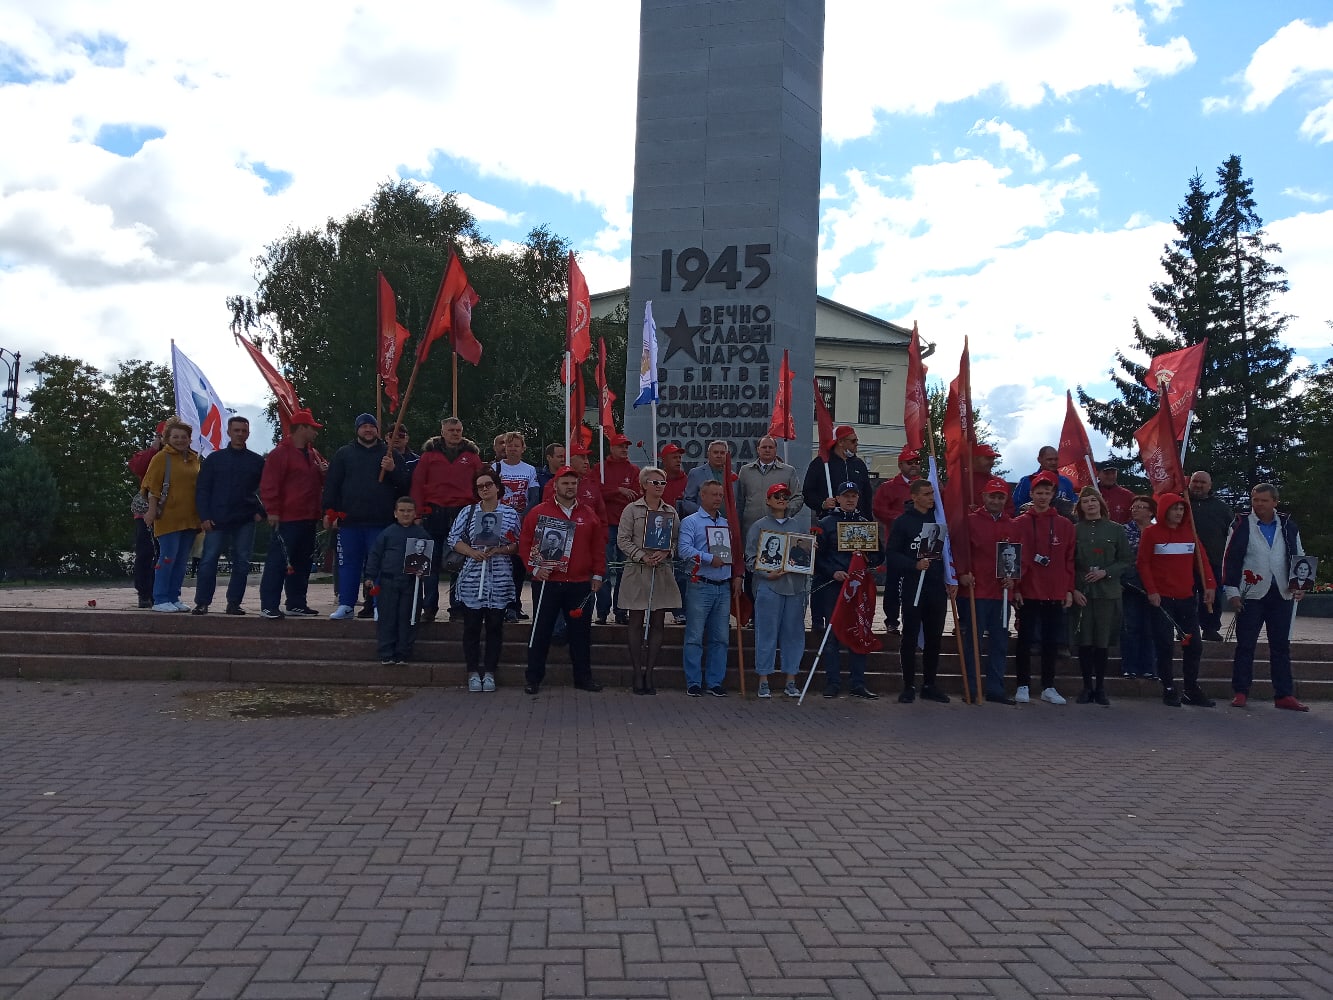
[{"x": 576, "y": 613}]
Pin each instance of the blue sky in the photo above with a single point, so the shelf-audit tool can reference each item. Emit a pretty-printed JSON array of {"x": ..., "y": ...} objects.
[{"x": 1001, "y": 169}]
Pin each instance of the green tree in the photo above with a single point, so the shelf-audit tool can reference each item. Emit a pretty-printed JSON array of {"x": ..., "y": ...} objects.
[
  {"x": 1306, "y": 493},
  {"x": 1220, "y": 284},
  {"x": 75, "y": 424},
  {"x": 937, "y": 392},
  {"x": 29, "y": 501},
  {"x": 145, "y": 396},
  {"x": 315, "y": 308}
]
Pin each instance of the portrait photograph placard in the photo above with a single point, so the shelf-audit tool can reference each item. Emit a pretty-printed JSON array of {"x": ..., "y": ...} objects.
[
  {"x": 929, "y": 543},
  {"x": 420, "y": 558},
  {"x": 719, "y": 541},
  {"x": 858, "y": 536},
  {"x": 1008, "y": 560},
  {"x": 800, "y": 554},
  {"x": 657, "y": 531},
  {"x": 554, "y": 541},
  {"x": 1302, "y": 574},
  {"x": 772, "y": 554}
]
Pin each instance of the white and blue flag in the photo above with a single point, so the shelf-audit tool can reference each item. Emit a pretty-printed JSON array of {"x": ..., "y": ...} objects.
[{"x": 648, "y": 363}]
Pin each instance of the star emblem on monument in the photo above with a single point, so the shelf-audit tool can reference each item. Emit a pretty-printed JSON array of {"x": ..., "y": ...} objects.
[{"x": 680, "y": 337}]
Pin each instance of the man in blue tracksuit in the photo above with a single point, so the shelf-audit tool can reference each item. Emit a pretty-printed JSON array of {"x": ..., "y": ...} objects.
[
  {"x": 227, "y": 498},
  {"x": 362, "y": 502}
]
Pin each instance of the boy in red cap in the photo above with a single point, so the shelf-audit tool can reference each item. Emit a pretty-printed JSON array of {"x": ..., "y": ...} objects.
[{"x": 1045, "y": 586}]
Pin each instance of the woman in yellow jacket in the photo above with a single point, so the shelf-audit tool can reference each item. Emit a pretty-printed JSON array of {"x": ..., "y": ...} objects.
[{"x": 169, "y": 485}]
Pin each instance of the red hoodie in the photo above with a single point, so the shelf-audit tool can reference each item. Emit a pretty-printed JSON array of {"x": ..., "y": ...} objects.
[
  {"x": 612, "y": 476},
  {"x": 1167, "y": 559},
  {"x": 291, "y": 486},
  {"x": 588, "y": 557},
  {"x": 1050, "y": 535},
  {"x": 987, "y": 532}
]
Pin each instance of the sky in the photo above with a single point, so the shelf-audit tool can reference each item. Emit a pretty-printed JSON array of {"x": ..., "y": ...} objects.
[{"x": 1005, "y": 170}]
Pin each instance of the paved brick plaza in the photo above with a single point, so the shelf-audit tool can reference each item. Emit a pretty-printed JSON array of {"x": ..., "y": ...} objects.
[{"x": 605, "y": 845}]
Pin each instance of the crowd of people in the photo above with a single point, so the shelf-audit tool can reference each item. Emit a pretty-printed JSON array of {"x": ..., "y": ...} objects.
[{"x": 1082, "y": 571}]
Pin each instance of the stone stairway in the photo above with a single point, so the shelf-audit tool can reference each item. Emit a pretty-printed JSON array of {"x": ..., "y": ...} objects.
[{"x": 132, "y": 645}]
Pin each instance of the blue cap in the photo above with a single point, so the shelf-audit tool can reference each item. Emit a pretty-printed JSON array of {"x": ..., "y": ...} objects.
[
  {"x": 366, "y": 418},
  {"x": 848, "y": 487}
]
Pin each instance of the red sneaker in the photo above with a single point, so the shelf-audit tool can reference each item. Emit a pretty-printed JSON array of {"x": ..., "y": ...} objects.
[
  {"x": 1291, "y": 704},
  {"x": 1239, "y": 700}
]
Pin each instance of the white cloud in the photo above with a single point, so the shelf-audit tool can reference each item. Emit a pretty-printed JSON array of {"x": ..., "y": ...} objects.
[
  {"x": 1162, "y": 10},
  {"x": 1300, "y": 194},
  {"x": 1068, "y": 161},
  {"x": 1024, "y": 51},
  {"x": 1011, "y": 139},
  {"x": 1298, "y": 57},
  {"x": 484, "y": 211},
  {"x": 1067, "y": 127}
]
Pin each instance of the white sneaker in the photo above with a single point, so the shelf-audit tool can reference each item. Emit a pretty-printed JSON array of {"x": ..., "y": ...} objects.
[
  {"x": 791, "y": 690},
  {"x": 488, "y": 683},
  {"x": 166, "y": 606},
  {"x": 182, "y": 606},
  {"x": 1021, "y": 695},
  {"x": 474, "y": 684},
  {"x": 340, "y": 612},
  {"x": 1053, "y": 696},
  {"x": 763, "y": 690}
]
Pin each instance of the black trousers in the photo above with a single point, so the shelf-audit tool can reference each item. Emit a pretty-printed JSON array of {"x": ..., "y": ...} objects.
[
  {"x": 927, "y": 617},
  {"x": 558, "y": 601},
  {"x": 439, "y": 522},
  {"x": 1046, "y": 618},
  {"x": 394, "y": 631},
  {"x": 893, "y": 596},
  {"x": 294, "y": 541},
  {"x": 475, "y": 621},
  {"x": 145, "y": 557},
  {"x": 1177, "y": 613}
]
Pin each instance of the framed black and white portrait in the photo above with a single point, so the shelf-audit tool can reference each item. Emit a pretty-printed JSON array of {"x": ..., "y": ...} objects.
[
  {"x": 719, "y": 541},
  {"x": 554, "y": 541},
  {"x": 1008, "y": 560},
  {"x": 800, "y": 554},
  {"x": 1303, "y": 571},
  {"x": 772, "y": 554},
  {"x": 420, "y": 557},
  {"x": 657, "y": 531}
]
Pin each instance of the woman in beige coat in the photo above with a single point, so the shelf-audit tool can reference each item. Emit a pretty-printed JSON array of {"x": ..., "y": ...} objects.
[{"x": 648, "y": 533}]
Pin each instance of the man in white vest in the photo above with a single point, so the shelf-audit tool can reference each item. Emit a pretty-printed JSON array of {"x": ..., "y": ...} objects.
[{"x": 1255, "y": 571}]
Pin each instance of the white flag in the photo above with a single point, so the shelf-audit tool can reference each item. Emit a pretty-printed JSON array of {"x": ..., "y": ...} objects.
[
  {"x": 648, "y": 363},
  {"x": 949, "y": 576},
  {"x": 197, "y": 403}
]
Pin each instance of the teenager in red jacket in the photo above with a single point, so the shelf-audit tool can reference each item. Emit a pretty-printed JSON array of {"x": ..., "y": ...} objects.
[
  {"x": 1167, "y": 562},
  {"x": 890, "y": 500},
  {"x": 564, "y": 545},
  {"x": 441, "y": 487},
  {"x": 988, "y": 528},
  {"x": 618, "y": 478},
  {"x": 1045, "y": 585}
]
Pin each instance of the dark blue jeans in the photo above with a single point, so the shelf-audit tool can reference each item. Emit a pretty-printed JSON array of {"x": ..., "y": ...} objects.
[
  {"x": 354, "y": 542},
  {"x": 292, "y": 544},
  {"x": 239, "y": 542},
  {"x": 1138, "y": 657},
  {"x": 1273, "y": 614},
  {"x": 394, "y": 632},
  {"x": 990, "y": 623}
]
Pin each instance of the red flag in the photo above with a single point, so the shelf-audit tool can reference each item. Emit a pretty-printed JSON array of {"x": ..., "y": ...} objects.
[
  {"x": 1178, "y": 373},
  {"x": 782, "y": 425},
  {"x": 605, "y": 396},
  {"x": 960, "y": 438},
  {"x": 854, "y": 615},
  {"x": 578, "y": 334},
  {"x": 825, "y": 421},
  {"x": 392, "y": 336},
  {"x": 744, "y": 606},
  {"x": 283, "y": 391},
  {"x": 1075, "y": 449},
  {"x": 452, "y": 314},
  {"x": 916, "y": 408},
  {"x": 1157, "y": 451},
  {"x": 578, "y": 403}
]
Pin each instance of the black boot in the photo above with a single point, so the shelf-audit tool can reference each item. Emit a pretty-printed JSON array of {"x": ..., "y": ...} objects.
[
  {"x": 635, "y": 636},
  {"x": 1086, "y": 657}
]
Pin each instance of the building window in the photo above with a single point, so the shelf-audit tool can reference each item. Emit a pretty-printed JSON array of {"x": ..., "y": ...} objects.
[
  {"x": 828, "y": 388},
  {"x": 867, "y": 410}
]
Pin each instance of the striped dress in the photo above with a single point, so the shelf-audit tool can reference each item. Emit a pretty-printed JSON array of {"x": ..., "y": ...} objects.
[{"x": 477, "y": 527}]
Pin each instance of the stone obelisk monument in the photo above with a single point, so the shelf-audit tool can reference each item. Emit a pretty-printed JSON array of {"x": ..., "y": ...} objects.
[{"x": 726, "y": 216}]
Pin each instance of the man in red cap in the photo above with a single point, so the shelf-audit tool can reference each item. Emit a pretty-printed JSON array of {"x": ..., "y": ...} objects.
[
  {"x": 676, "y": 477},
  {"x": 984, "y": 457},
  {"x": 568, "y": 571},
  {"x": 1045, "y": 586},
  {"x": 589, "y": 490},
  {"x": 841, "y": 466},
  {"x": 1118, "y": 498},
  {"x": 145, "y": 546},
  {"x": 891, "y": 499},
  {"x": 989, "y": 528},
  {"x": 441, "y": 487},
  {"x": 618, "y": 478},
  {"x": 290, "y": 490}
]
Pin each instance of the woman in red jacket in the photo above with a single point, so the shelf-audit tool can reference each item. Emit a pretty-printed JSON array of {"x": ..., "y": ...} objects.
[{"x": 1167, "y": 561}]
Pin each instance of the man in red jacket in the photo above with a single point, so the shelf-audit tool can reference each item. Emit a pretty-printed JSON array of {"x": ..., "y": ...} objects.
[
  {"x": 675, "y": 476},
  {"x": 145, "y": 545},
  {"x": 619, "y": 481},
  {"x": 988, "y": 527},
  {"x": 290, "y": 490},
  {"x": 589, "y": 489},
  {"x": 1169, "y": 557},
  {"x": 891, "y": 499},
  {"x": 564, "y": 543},
  {"x": 1045, "y": 586},
  {"x": 441, "y": 487}
]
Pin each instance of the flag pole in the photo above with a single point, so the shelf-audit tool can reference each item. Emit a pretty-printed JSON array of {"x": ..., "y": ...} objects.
[
  {"x": 1189, "y": 511},
  {"x": 455, "y": 395},
  {"x": 407, "y": 398},
  {"x": 601, "y": 451},
  {"x": 1185, "y": 441},
  {"x": 569, "y": 378},
  {"x": 953, "y": 601},
  {"x": 967, "y": 479},
  {"x": 656, "y": 456}
]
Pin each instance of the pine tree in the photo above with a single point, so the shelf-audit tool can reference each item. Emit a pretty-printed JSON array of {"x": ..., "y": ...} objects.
[{"x": 1220, "y": 284}]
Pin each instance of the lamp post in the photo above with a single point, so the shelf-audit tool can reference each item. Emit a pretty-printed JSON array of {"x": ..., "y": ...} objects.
[{"x": 11, "y": 393}]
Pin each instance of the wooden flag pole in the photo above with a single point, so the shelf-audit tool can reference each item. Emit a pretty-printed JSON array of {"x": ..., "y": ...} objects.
[
  {"x": 407, "y": 398},
  {"x": 454, "y": 404},
  {"x": 971, "y": 492},
  {"x": 569, "y": 379},
  {"x": 740, "y": 637},
  {"x": 953, "y": 602}
]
